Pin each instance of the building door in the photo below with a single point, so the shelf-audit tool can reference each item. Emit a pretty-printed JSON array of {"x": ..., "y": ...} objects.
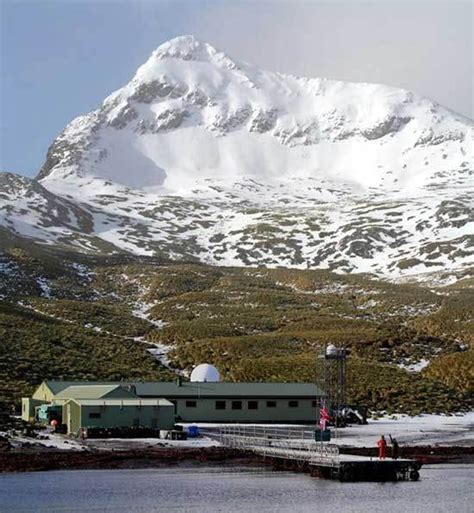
[{"x": 69, "y": 421}]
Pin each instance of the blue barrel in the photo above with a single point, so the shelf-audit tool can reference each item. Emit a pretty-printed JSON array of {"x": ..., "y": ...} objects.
[
  {"x": 193, "y": 431},
  {"x": 322, "y": 436}
]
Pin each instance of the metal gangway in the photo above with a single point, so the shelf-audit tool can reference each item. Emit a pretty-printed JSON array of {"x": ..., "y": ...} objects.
[{"x": 290, "y": 443}]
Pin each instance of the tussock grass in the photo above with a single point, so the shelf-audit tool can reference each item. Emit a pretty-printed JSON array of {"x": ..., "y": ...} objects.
[{"x": 254, "y": 324}]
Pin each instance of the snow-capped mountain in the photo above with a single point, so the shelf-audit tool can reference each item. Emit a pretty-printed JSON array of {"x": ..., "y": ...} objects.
[{"x": 201, "y": 157}]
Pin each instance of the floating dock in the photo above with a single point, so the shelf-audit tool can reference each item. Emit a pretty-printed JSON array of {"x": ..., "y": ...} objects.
[{"x": 296, "y": 449}]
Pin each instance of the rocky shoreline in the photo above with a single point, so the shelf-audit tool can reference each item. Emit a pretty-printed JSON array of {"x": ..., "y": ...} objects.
[
  {"x": 35, "y": 459},
  {"x": 30, "y": 460}
]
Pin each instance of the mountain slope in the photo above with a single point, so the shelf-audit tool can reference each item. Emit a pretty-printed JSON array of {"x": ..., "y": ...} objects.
[
  {"x": 202, "y": 158},
  {"x": 76, "y": 316}
]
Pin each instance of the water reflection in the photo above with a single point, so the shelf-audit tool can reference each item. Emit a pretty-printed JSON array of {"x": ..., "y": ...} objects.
[{"x": 443, "y": 488}]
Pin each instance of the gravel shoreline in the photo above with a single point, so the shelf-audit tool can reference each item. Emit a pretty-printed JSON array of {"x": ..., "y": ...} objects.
[
  {"x": 40, "y": 460},
  {"x": 34, "y": 459}
]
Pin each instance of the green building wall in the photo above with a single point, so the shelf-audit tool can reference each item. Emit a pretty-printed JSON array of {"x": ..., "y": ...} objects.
[
  {"x": 252, "y": 410},
  {"x": 28, "y": 405},
  {"x": 72, "y": 417},
  {"x": 109, "y": 416}
]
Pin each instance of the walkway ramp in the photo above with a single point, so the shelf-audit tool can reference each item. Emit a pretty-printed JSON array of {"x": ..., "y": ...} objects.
[{"x": 296, "y": 448}]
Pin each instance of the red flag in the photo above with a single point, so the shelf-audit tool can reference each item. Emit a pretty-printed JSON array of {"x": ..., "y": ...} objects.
[{"x": 323, "y": 417}]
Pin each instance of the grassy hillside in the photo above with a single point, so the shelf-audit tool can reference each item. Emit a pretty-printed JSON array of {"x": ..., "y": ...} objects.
[
  {"x": 85, "y": 317},
  {"x": 35, "y": 347}
]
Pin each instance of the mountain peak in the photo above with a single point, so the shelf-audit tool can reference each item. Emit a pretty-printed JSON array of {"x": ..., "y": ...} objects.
[
  {"x": 200, "y": 158},
  {"x": 182, "y": 46},
  {"x": 190, "y": 113},
  {"x": 188, "y": 48}
]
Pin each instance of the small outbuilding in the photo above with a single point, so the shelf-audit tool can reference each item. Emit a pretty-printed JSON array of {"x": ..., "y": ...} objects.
[
  {"x": 44, "y": 401},
  {"x": 118, "y": 413}
]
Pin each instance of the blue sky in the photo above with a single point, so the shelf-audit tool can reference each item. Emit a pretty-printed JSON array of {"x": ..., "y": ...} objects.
[{"x": 61, "y": 58}]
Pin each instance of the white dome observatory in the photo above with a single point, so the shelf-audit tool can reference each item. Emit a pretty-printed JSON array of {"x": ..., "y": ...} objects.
[
  {"x": 331, "y": 350},
  {"x": 205, "y": 373}
]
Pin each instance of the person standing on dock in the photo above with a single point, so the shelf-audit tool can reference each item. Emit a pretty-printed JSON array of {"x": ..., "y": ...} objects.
[
  {"x": 382, "y": 445},
  {"x": 395, "y": 447}
]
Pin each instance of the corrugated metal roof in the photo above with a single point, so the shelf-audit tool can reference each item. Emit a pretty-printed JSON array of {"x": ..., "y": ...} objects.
[
  {"x": 58, "y": 386},
  {"x": 244, "y": 390},
  {"x": 86, "y": 391},
  {"x": 186, "y": 389},
  {"x": 123, "y": 402}
]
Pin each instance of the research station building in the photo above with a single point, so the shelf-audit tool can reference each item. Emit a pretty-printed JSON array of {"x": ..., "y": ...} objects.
[{"x": 158, "y": 405}]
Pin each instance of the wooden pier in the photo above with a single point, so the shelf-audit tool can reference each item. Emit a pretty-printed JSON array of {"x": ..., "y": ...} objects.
[{"x": 296, "y": 449}]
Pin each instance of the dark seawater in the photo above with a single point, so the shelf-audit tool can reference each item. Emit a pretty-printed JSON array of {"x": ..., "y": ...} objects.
[{"x": 442, "y": 488}]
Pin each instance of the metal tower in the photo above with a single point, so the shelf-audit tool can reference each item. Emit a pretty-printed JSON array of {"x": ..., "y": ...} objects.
[{"x": 335, "y": 378}]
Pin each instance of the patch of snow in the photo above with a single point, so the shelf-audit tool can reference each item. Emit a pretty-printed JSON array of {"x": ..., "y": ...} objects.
[
  {"x": 8, "y": 268},
  {"x": 415, "y": 367},
  {"x": 83, "y": 271},
  {"x": 132, "y": 443},
  {"x": 141, "y": 309},
  {"x": 43, "y": 284},
  {"x": 53, "y": 440},
  {"x": 371, "y": 303}
]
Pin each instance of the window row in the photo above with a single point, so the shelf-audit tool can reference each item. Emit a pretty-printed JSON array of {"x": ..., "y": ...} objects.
[{"x": 251, "y": 405}]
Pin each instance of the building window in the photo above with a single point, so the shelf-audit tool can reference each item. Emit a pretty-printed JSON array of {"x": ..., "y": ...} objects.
[
  {"x": 154, "y": 423},
  {"x": 314, "y": 404},
  {"x": 271, "y": 404},
  {"x": 94, "y": 415},
  {"x": 293, "y": 404},
  {"x": 190, "y": 404},
  {"x": 236, "y": 405},
  {"x": 253, "y": 405},
  {"x": 220, "y": 405}
]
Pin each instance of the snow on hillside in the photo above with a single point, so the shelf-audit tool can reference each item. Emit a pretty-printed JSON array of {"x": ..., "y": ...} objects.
[{"x": 203, "y": 158}]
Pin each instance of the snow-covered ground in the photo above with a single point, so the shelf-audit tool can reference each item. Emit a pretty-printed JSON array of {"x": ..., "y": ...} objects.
[
  {"x": 140, "y": 443},
  {"x": 53, "y": 441},
  {"x": 441, "y": 430},
  {"x": 63, "y": 442},
  {"x": 420, "y": 430}
]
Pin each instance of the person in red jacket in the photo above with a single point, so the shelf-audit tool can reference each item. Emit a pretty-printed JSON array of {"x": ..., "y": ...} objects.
[{"x": 382, "y": 445}]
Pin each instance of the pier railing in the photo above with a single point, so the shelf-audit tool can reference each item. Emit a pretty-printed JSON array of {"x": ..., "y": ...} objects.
[
  {"x": 278, "y": 442},
  {"x": 299, "y": 448}
]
